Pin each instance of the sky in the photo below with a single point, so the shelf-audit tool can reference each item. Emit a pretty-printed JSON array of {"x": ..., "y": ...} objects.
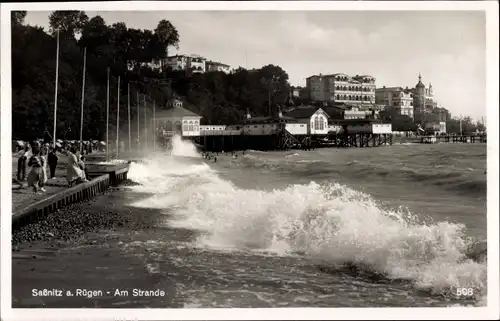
[{"x": 447, "y": 47}]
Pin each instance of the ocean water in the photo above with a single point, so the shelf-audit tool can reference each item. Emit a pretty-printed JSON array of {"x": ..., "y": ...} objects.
[
  {"x": 402, "y": 225},
  {"x": 393, "y": 226}
]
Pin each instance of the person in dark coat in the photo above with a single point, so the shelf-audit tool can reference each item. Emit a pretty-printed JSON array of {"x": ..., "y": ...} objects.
[
  {"x": 21, "y": 164},
  {"x": 52, "y": 161}
]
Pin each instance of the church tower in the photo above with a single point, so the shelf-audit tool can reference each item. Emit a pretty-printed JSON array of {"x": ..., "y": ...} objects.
[{"x": 419, "y": 100}]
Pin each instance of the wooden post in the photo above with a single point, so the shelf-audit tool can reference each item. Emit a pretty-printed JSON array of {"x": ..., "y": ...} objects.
[{"x": 118, "y": 120}]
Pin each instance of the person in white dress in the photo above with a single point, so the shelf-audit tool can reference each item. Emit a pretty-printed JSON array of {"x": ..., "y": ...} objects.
[{"x": 74, "y": 173}]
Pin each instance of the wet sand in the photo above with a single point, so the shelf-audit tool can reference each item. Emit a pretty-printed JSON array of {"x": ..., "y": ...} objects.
[{"x": 80, "y": 248}]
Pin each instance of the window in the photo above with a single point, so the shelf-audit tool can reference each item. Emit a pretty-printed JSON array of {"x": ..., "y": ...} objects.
[
  {"x": 338, "y": 97},
  {"x": 185, "y": 126},
  {"x": 190, "y": 126}
]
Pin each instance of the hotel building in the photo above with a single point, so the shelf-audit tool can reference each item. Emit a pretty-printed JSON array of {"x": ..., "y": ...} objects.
[
  {"x": 341, "y": 88},
  {"x": 396, "y": 98}
]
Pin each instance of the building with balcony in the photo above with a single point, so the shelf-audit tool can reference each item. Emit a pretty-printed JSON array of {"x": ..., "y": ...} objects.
[
  {"x": 194, "y": 63},
  {"x": 396, "y": 98},
  {"x": 177, "y": 62},
  {"x": 216, "y": 66},
  {"x": 342, "y": 88},
  {"x": 197, "y": 64}
]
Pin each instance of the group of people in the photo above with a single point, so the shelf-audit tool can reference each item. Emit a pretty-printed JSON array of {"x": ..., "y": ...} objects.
[{"x": 37, "y": 157}]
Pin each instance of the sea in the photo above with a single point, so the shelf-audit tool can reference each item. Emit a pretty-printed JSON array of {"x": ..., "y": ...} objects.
[
  {"x": 387, "y": 226},
  {"x": 392, "y": 226}
]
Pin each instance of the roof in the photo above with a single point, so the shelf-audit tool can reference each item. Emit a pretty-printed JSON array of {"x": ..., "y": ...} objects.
[
  {"x": 180, "y": 56},
  {"x": 303, "y": 112},
  {"x": 420, "y": 85},
  {"x": 216, "y": 63},
  {"x": 175, "y": 112},
  {"x": 268, "y": 119},
  {"x": 389, "y": 88},
  {"x": 356, "y": 121},
  {"x": 365, "y": 76}
]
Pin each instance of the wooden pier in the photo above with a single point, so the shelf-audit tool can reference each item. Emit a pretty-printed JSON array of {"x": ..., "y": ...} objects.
[
  {"x": 276, "y": 135},
  {"x": 453, "y": 139},
  {"x": 102, "y": 177}
]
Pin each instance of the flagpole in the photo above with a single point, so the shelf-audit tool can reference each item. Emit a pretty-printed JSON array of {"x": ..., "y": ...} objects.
[
  {"x": 154, "y": 124},
  {"x": 83, "y": 97},
  {"x": 107, "y": 117},
  {"x": 138, "y": 123},
  {"x": 55, "y": 95},
  {"x": 145, "y": 124},
  {"x": 118, "y": 120},
  {"x": 128, "y": 107}
]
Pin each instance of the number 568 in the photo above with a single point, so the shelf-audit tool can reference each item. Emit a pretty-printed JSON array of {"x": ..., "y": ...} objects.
[{"x": 465, "y": 292}]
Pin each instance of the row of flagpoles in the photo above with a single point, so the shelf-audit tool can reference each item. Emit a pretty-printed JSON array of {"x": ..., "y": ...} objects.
[{"x": 107, "y": 109}]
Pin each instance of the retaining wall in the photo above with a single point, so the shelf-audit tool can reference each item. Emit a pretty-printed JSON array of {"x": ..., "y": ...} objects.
[{"x": 98, "y": 185}]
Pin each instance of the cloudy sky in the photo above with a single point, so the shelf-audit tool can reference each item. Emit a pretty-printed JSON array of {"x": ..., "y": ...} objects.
[{"x": 446, "y": 47}]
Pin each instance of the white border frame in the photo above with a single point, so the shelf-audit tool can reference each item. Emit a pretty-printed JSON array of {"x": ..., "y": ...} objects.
[{"x": 492, "y": 101}]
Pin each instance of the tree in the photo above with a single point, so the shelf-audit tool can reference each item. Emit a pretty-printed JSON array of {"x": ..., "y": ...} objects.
[
  {"x": 69, "y": 23},
  {"x": 167, "y": 36},
  {"x": 480, "y": 126},
  {"x": 17, "y": 17}
]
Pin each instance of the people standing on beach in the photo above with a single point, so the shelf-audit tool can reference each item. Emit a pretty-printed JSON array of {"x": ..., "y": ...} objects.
[
  {"x": 81, "y": 164},
  {"x": 21, "y": 164},
  {"x": 74, "y": 173},
  {"x": 43, "y": 157},
  {"x": 35, "y": 175},
  {"x": 52, "y": 161}
]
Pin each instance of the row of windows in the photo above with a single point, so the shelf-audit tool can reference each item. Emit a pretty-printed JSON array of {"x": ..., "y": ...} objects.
[
  {"x": 186, "y": 126},
  {"x": 344, "y": 78},
  {"x": 190, "y": 127},
  {"x": 354, "y": 88},
  {"x": 353, "y": 97}
]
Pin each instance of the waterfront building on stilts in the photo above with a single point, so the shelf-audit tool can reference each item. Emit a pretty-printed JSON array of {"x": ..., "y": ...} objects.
[{"x": 305, "y": 127}]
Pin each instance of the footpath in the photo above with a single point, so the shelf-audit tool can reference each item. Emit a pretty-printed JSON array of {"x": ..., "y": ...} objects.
[{"x": 28, "y": 206}]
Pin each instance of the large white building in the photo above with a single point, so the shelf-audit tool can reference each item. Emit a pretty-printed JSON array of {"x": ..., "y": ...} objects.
[
  {"x": 342, "y": 88},
  {"x": 216, "y": 66},
  {"x": 194, "y": 63},
  {"x": 396, "y": 98}
]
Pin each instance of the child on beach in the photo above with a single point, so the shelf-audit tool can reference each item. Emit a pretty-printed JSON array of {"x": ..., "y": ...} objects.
[{"x": 35, "y": 175}]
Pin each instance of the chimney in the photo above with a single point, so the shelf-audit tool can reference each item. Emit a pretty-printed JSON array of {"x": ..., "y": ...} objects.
[{"x": 248, "y": 114}]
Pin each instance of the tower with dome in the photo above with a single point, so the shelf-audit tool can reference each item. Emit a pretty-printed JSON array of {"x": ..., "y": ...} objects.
[{"x": 423, "y": 100}]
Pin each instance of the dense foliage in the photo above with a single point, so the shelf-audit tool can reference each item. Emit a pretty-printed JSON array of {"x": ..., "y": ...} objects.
[{"x": 129, "y": 53}]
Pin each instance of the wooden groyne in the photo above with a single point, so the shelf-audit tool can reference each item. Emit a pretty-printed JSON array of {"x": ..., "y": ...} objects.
[{"x": 102, "y": 177}]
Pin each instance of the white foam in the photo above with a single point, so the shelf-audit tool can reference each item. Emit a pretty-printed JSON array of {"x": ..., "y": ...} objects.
[{"x": 332, "y": 223}]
